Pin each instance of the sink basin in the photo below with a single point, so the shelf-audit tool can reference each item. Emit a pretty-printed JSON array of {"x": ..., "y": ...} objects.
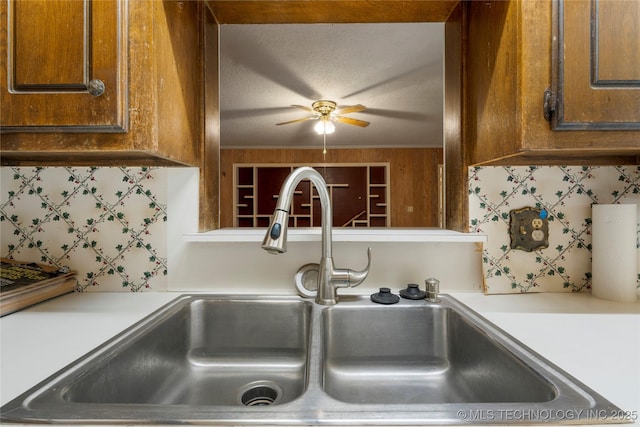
[
  {"x": 241, "y": 360},
  {"x": 420, "y": 354},
  {"x": 205, "y": 352}
]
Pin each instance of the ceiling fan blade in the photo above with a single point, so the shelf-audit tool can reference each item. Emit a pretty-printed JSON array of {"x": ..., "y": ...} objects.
[
  {"x": 295, "y": 121},
  {"x": 302, "y": 107},
  {"x": 252, "y": 112},
  {"x": 404, "y": 115},
  {"x": 351, "y": 109},
  {"x": 350, "y": 121}
]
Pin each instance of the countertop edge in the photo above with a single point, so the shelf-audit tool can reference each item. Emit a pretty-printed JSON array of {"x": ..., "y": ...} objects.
[{"x": 313, "y": 234}]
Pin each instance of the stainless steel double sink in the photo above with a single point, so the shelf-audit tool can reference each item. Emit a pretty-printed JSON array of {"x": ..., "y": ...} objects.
[{"x": 211, "y": 359}]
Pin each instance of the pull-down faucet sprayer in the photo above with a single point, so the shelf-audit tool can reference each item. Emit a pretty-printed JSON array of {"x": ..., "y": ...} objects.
[{"x": 275, "y": 239}]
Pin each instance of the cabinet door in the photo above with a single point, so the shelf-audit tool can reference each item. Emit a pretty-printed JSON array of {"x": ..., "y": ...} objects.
[
  {"x": 598, "y": 65},
  {"x": 64, "y": 65}
]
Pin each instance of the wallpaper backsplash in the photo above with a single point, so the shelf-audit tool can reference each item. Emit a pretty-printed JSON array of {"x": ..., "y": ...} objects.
[
  {"x": 106, "y": 223},
  {"x": 567, "y": 193},
  {"x": 110, "y": 224}
]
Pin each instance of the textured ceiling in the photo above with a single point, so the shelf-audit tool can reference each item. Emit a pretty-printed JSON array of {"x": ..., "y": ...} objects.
[{"x": 395, "y": 70}]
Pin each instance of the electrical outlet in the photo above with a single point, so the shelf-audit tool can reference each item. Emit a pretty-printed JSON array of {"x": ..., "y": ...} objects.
[{"x": 529, "y": 229}]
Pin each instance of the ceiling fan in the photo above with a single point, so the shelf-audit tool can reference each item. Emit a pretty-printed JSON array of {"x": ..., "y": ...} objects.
[{"x": 325, "y": 112}]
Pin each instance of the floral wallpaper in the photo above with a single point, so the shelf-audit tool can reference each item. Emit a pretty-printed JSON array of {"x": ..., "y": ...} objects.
[
  {"x": 567, "y": 194},
  {"x": 106, "y": 223},
  {"x": 110, "y": 224}
]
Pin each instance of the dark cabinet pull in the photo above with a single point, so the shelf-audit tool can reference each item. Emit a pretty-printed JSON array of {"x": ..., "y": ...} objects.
[{"x": 96, "y": 87}]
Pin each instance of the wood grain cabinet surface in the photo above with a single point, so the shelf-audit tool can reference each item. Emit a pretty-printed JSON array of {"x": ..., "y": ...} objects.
[
  {"x": 597, "y": 75},
  {"x": 64, "y": 70},
  {"x": 509, "y": 66},
  {"x": 101, "y": 82}
]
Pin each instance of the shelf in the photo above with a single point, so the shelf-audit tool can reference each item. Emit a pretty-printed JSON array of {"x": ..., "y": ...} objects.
[
  {"x": 313, "y": 234},
  {"x": 366, "y": 180}
]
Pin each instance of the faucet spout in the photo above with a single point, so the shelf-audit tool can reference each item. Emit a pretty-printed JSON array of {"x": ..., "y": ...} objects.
[{"x": 275, "y": 239}]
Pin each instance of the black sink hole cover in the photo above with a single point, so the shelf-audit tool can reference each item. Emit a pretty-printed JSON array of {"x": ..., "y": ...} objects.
[
  {"x": 384, "y": 296},
  {"x": 412, "y": 291}
]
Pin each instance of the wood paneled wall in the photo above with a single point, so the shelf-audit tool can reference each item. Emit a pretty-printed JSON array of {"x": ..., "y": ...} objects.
[{"x": 413, "y": 172}]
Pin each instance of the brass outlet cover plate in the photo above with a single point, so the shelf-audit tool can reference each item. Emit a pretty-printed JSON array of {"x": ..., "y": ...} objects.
[{"x": 529, "y": 229}]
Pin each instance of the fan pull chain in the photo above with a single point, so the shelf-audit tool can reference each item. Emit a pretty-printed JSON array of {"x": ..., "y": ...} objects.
[{"x": 324, "y": 144}]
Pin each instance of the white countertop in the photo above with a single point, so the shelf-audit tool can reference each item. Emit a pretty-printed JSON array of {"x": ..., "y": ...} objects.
[{"x": 596, "y": 341}]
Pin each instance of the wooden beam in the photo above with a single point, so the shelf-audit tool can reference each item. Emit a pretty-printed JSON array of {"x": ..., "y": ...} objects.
[{"x": 330, "y": 11}]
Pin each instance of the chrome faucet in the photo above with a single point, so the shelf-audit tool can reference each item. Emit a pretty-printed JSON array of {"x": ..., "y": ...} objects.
[{"x": 275, "y": 239}]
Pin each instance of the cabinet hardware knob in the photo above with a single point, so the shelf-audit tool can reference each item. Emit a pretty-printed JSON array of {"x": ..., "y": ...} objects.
[{"x": 96, "y": 87}]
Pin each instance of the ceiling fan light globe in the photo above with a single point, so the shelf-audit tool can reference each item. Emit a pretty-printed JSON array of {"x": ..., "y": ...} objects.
[
  {"x": 324, "y": 127},
  {"x": 329, "y": 127}
]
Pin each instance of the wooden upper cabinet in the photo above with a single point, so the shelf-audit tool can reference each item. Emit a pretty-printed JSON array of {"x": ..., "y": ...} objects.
[
  {"x": 508, "y": 65},
  {"x": 65, "y": 69},
  {"x": 598, "y": 70},
  {"x": 149, "y": 55}
]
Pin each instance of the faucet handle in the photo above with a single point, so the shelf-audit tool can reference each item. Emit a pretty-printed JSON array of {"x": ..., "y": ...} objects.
[
  {"x": 344, "y": 278},
  {"x": 358, "y": 277}
]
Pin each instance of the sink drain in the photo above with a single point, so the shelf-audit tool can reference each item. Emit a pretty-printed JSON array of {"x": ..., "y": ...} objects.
[{"x": 259, "y": 393}]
